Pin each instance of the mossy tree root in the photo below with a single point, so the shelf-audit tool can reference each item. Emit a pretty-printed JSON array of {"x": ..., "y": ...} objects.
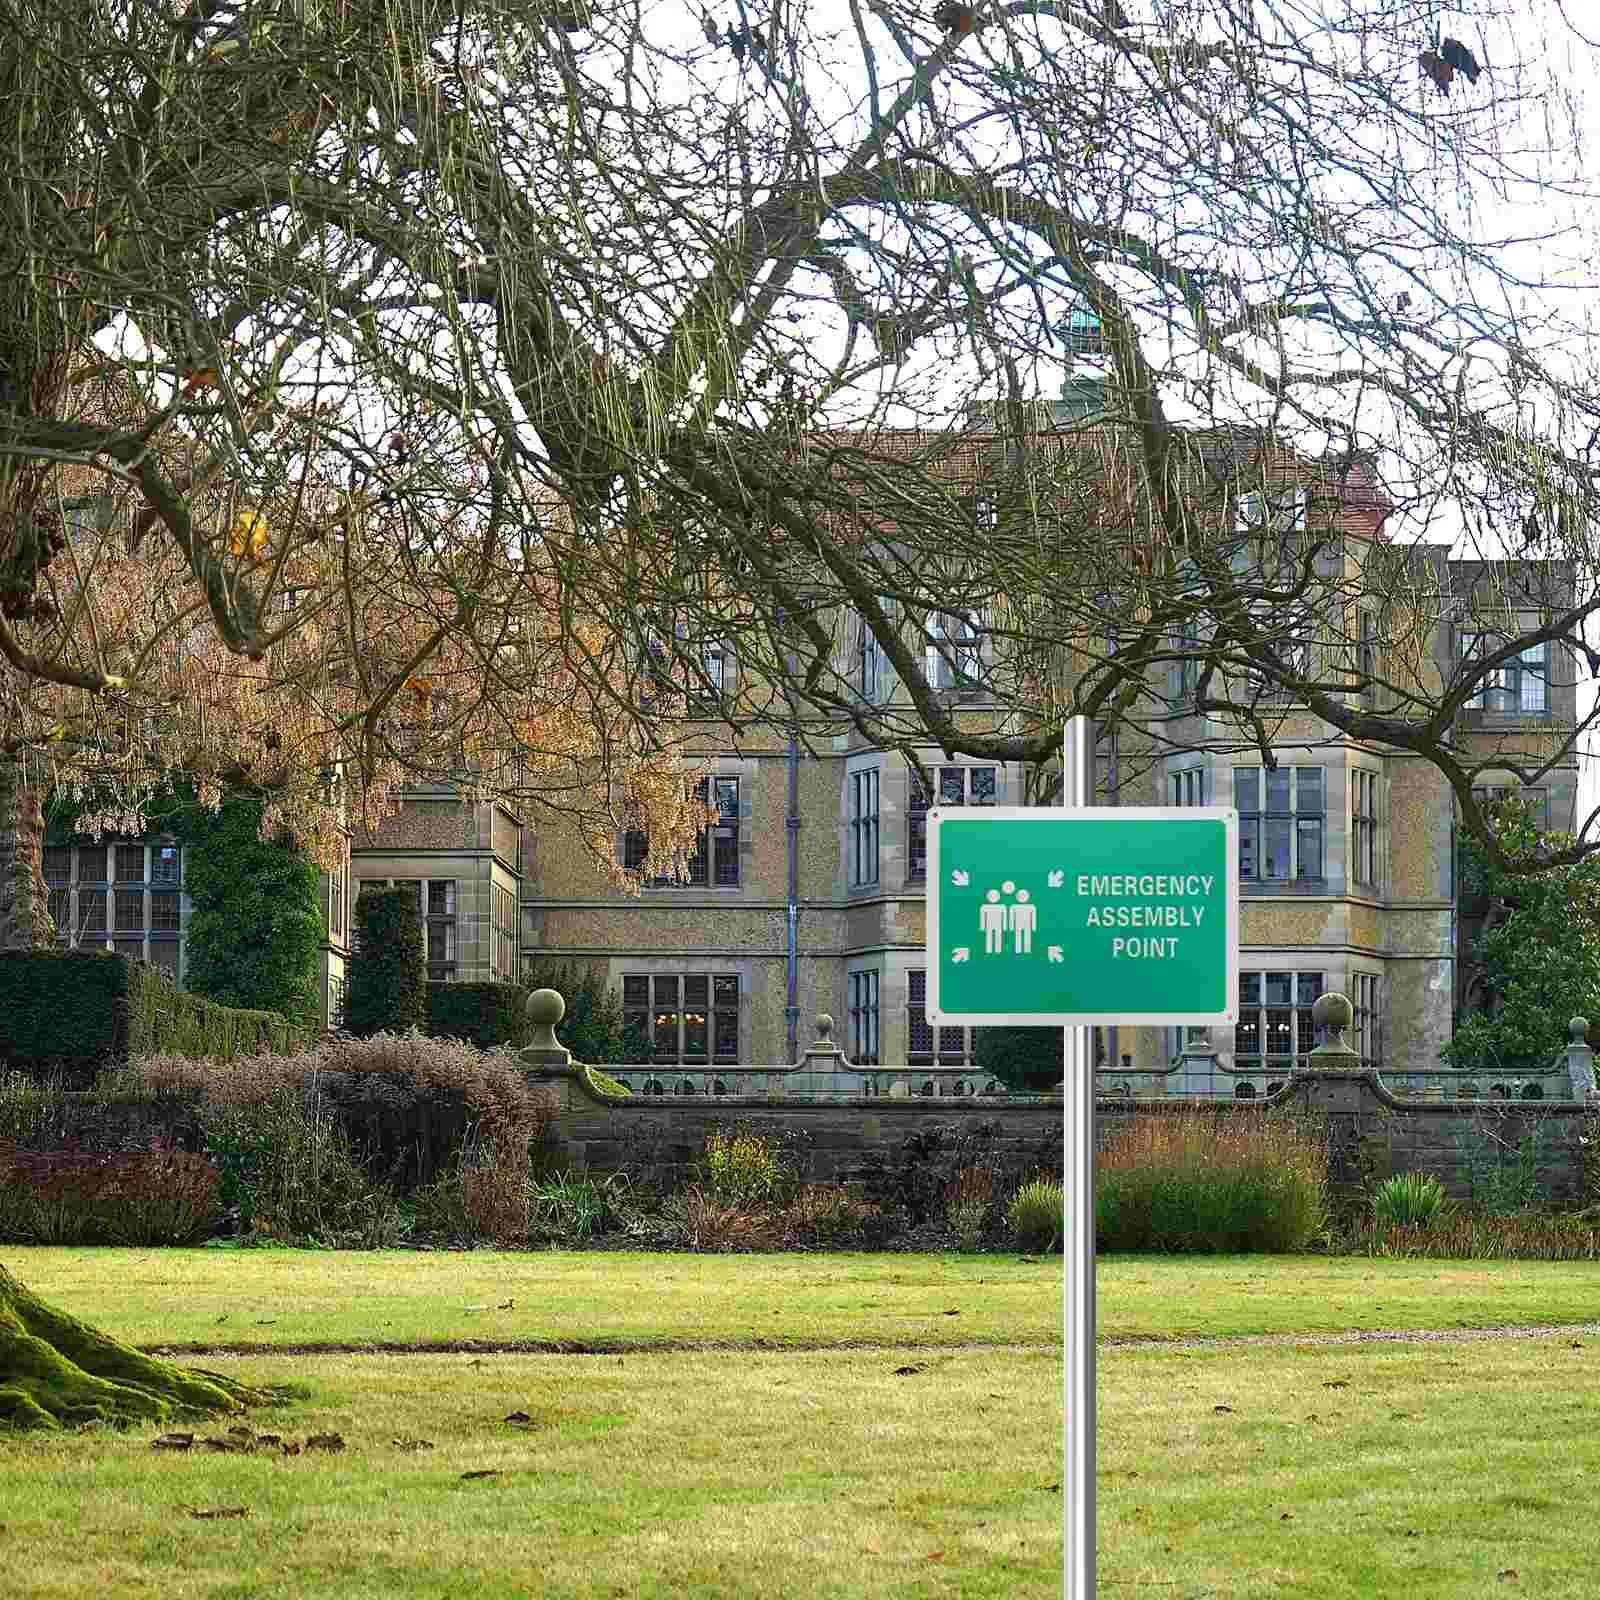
[{"x": 57, "y": 1372}]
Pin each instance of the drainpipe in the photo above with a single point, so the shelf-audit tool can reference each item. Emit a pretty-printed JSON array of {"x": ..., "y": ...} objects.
[{"x": 791, "y": 1011}]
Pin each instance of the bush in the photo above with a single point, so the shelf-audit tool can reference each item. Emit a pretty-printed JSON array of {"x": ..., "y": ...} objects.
[
  {"x": 571, "y": 1208},
  {"x": 1408, "y": 1200},
  {"x": 385, "y": 988},
  {"x": 485, "y": 1014},
  {"x": 1477, "y": 1236},
  {"x": 740, "y": 1167},
  {"x": 290, "y": 1172},
  {"x": 74, "y": 1197},
  {"x": 968, "y": 1201},
  {"x": 915, "y": 1179},
  {"x": 1029, "y": 1060},
  {"x": 1211, "y": 1181},
  {"x": 1037, "y": 1215}
]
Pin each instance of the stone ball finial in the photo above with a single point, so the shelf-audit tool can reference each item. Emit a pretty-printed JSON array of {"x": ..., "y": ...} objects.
[
  {"x": 1578, "y": 1030},
  {"x": 1333, "y": 1010},
  {"x": 824, "y": 1028},
  {"x": 546, "y": 1007}
]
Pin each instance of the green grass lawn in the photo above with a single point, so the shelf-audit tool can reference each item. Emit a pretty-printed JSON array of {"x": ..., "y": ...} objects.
[{"x": 746, "y": 1432}]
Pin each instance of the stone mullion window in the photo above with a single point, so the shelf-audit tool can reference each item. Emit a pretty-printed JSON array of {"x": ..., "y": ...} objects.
[
  {"x": 927, "y": 1046},
  {"x": 864, "y": 815},
  {"x": 864, "y": 1018},
  {"x": 957, "y": 786},
  {"x": 1363, "y": 827},
  {"x": 1282, "y": 823},
  {"x": 692, "y": 1019},
  {"x": 1275, "y": 1029},
  {"x": 1365, "y": 1031}
]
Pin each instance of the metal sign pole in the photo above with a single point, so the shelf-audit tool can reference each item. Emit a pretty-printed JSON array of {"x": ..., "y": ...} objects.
[{"x": 1077, "y": 1480}]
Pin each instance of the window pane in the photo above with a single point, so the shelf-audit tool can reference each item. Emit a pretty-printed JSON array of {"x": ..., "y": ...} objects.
[
  {"x": 130, "y": 863},
  {"x": 1247, "y": 1036},
  {"x": 665, "y": 1035},
  {"x": 1275, "y": 848},
  {"x": 1277, "y": 789},
  {"x": 130, "y": 908},
  {"x": 952, "y": 785},
  {"x": 696, "y": 992},
  {"x": 92, "y": 865},
  {"x": 1246, "y": 788},
  {"x": 1280, "y": 1033},
  {"x": 1308, "y": 844},
  {"x": 726, "y": 1035},
  {"x": 441, "y": 898},
  {"x": 635, "y": 846},
  {"x": 1279, "y": 988},
  {"x": 635, "y": 991},
  {"x": 59, "y": 913},
  {"x": 666, "y": 992},
  {"x": 726, "y": 843},
  {"x": 727, "y": 991},
  {"x": 983, "y": 786},
  {"x": 1249, "y": 847},
  {"x": 1249, "y": 988},
  {"x": 164, "y": 910},
  {"x": 1308, "y": 781},
  {"x": 92, "y": 910},
  {"x": 696, "y": 1034},
  {"x": 57, "y": 864},
  {"x": 728, "y": 797}
]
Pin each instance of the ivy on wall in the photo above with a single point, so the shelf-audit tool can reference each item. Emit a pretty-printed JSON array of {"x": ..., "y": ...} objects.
[{"x": 256, "y": 933}]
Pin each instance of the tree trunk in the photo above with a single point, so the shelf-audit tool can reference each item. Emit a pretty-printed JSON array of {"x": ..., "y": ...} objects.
[
  {"x": 56, "y": 1372},
  {"x": 24, "y": 902}
]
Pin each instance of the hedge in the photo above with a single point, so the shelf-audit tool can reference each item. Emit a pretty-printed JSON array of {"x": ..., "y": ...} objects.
[
  {"x": 72, "y": 1010},
  {"x": 484, "y": 1014}
]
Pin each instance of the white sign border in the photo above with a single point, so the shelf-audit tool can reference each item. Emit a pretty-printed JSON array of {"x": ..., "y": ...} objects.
[{"x": 1227, "y": 815}]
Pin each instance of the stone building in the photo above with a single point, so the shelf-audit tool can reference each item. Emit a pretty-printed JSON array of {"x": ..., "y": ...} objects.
[{"x": 807, "y": 894}]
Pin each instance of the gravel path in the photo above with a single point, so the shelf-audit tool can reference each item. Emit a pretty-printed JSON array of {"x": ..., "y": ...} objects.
[{"x": 1538, "y": 1330}]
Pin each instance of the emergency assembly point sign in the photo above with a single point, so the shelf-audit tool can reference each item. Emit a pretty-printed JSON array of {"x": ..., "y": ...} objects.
[{"x": 1093, "y": 915}]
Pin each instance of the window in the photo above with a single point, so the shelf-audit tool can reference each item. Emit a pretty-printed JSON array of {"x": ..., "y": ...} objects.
[
  {"x": 91, "y": 910},
  {"x": 505, "y": 934},
  {"x": 953, "y": 655},
  {"x": 92, "y": 865},
  {"x": 1363, "y": 826},
  {"x": 164, "y": 911},
  {"x": 864, "y": 1018},
  {"x": 439, "y": 932},
  {"x": 1275, "y": 1030},
  {"x": 689, "y": 1018},
  {"x": 1191, "y": 653},
  {"x": 1537, "y": 800},
  {"x": 711, "y": 682},
  {"x": 1189, "y": 787},
  {"x": 715, "y": 857},
  {"x": 985, "y": 514},
  {"x": 1364, "y": 1003},
  {"x": 864, "y": 827},
  {"x": 130, "y": 910},
  {"x": 57, "y": 876},
  {"x": 338, "y": 890},
  {"x": 927, "y": 1046},
  {"x": 958, "y": 786},
  {"x": 1280, "y": 823},
  {"x": 872, "y": 664},
  {"x": 164, "y": 863},
  {"x": 130, "y": 863},
  {"x": 1518, "y": 686},
  {"x": 1367, "y": 660},
  {"x": 1281, "y": 512}
]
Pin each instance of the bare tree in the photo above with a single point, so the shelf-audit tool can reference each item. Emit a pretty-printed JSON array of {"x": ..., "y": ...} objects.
[{"x": 454, "y": 382}]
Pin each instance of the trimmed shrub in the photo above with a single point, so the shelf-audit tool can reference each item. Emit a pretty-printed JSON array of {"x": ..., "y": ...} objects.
[
  {"x": 1211, "y": 1181},
  {"x": 1028, "y": 1060},
  {"x": 485, "y": 1014},
  {"x": 1037, "y": 1215},
  {"x": 69, "y": 1012},
  {"x": 385, "y": 990}
]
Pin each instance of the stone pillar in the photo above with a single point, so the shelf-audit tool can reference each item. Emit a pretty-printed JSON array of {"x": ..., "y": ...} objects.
[
  {"x": 823, "y": 1069},
  {"x": 1580, "y": 1060}
]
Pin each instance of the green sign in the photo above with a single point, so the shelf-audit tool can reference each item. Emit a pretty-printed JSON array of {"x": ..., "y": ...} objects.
[{"x": 1093, "y": 915}]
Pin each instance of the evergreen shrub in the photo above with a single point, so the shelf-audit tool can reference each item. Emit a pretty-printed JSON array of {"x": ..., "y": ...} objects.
[
  {"x": 385, "y": 985},
  {"x": 484, "y": 1014}
]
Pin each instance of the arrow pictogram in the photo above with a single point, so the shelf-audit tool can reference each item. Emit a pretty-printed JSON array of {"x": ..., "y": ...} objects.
[
  {"x": 1057, "y": 878},
  {"x": 1054, "y": 953},
  {"x": 960, "y": 953},
  {"x": 959, "y": 878}
]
